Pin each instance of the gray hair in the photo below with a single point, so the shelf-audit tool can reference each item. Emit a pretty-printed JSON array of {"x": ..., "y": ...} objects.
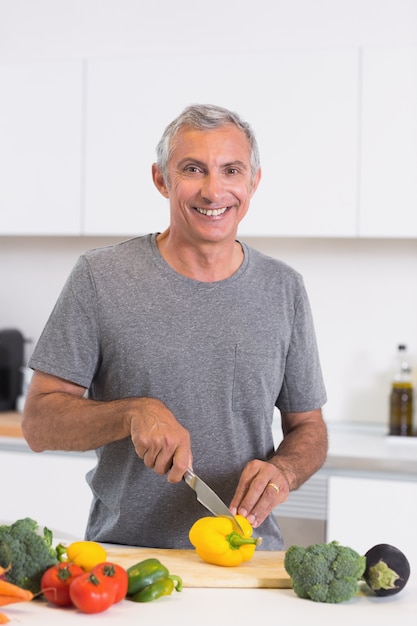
[{"x": 204, "y": 117}]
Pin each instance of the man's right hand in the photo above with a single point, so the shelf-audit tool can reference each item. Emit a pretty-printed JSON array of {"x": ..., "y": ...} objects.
[{"x": 159, "y": 439}]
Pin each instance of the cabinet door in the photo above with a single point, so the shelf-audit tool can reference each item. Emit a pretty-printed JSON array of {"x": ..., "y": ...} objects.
[
  {"x": 389, "y": 143},
  {"x": 301, "y": 104},
  {"x": 49, "y": 488},
  {"x": 40, "y": 148},
  {"x": 306, "y": 123},
  {"x": 363, "y": 512}
]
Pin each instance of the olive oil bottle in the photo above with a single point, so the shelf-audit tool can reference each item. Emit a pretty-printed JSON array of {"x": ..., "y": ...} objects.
[{"x": 401, "y": 399}]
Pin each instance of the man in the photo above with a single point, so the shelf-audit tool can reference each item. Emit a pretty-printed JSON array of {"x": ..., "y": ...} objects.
[{"x": 171, "y": 350}]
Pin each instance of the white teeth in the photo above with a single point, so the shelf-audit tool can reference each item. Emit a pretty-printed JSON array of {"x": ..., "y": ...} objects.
[{"x": 211, "y": 211}]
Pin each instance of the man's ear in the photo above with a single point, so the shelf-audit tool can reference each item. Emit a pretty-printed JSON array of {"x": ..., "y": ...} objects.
[
  {"x": 256, "y": 181},
  {"x": 159, "y": 181}
]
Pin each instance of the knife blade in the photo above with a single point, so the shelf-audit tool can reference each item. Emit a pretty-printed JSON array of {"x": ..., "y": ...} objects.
[{"x": 208, "y": 498}]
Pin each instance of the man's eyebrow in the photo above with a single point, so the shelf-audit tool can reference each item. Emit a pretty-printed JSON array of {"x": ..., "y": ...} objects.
[
  {"x": 239, "y": 164},
  {"x": 188, "y": 160}
]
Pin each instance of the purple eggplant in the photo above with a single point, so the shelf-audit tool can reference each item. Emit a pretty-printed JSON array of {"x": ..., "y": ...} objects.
[{"x": 387, "y": 569}]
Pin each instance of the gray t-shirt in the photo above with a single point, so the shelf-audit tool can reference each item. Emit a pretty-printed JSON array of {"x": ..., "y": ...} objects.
[{"x": 220, "y": 355}]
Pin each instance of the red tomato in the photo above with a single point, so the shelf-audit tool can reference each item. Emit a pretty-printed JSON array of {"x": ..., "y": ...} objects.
[
  {"x": 55, "y": 582},
  {"x": 92, "y": 594},
  {"x": 117, "y": 575}
]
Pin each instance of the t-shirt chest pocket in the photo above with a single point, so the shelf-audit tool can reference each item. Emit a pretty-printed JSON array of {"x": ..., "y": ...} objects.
[{"x": 258, "y": 375}]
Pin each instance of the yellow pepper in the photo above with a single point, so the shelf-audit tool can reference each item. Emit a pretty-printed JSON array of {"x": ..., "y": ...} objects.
[
  {"x": 86, "y": 554},
  {"x": 216, "y": 541}
]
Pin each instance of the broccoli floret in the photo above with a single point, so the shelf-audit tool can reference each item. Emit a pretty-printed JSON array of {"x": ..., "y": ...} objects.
[
  {"x": 325, "y": 572},
  {"x": 27, "y": 551}
]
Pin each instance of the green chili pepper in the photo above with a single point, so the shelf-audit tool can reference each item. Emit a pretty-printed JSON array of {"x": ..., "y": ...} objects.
[
  {"x": 162, "y": 587},
  {"x": 145, "y": 573}
]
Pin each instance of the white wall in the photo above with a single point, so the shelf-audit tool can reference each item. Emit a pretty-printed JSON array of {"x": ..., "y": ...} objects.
[
  {"x": 363, "y": 292},
  {"x": 80, "y": 28}
]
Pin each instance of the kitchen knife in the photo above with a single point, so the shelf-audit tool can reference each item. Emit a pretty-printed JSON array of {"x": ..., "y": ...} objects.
[{"x": 208, "y": 498}]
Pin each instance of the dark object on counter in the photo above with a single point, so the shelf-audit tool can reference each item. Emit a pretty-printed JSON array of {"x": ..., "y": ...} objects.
[
  {"x": 387, "y": 569},
  {"x": 11, "y": 363},
  {"x": 401, "y": 399}
]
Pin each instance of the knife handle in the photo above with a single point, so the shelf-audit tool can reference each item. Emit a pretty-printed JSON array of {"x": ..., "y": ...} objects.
[{"x": 189, "y": 477}]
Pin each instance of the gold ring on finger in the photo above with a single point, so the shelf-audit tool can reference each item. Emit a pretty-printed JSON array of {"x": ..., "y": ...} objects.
[{"x": 274, "y": 486}]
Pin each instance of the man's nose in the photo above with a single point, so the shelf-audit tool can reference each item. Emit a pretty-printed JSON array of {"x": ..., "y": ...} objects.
[{"x": 212, "y": 187}]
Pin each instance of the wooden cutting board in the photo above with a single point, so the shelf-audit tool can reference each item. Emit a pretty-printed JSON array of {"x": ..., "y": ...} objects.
[{"x": 264, "y": 570}]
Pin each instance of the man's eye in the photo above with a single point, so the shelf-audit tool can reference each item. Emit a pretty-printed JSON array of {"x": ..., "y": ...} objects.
[
  {"x": 192, "y": 169},
  {"x": 232, "y": 170}
]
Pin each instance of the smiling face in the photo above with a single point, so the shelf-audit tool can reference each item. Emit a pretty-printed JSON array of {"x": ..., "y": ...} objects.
[{"x": 210, "y": 183}]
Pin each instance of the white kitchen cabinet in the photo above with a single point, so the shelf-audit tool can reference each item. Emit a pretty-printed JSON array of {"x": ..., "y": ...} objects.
[
  {"x": 50, "y": 488},
  {"x": 363, "y": 512},
  {"x": 303, "y": 105},
  {"x": 40, "y": 148},
  {"x": 388, "y": 198}
]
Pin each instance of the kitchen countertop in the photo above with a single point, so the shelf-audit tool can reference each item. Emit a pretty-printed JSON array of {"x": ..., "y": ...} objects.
[
  {"x": 214, "y": 604},
  {"x": 243, "y": 606},
  {"x": 10, "y": 424},
  {"x": 370, "y": 448}
]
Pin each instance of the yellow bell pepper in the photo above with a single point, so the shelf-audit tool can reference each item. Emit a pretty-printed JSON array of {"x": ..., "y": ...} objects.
[
  {"x": 216, "y": 541},
  {"x": 86, "y": 554}
]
